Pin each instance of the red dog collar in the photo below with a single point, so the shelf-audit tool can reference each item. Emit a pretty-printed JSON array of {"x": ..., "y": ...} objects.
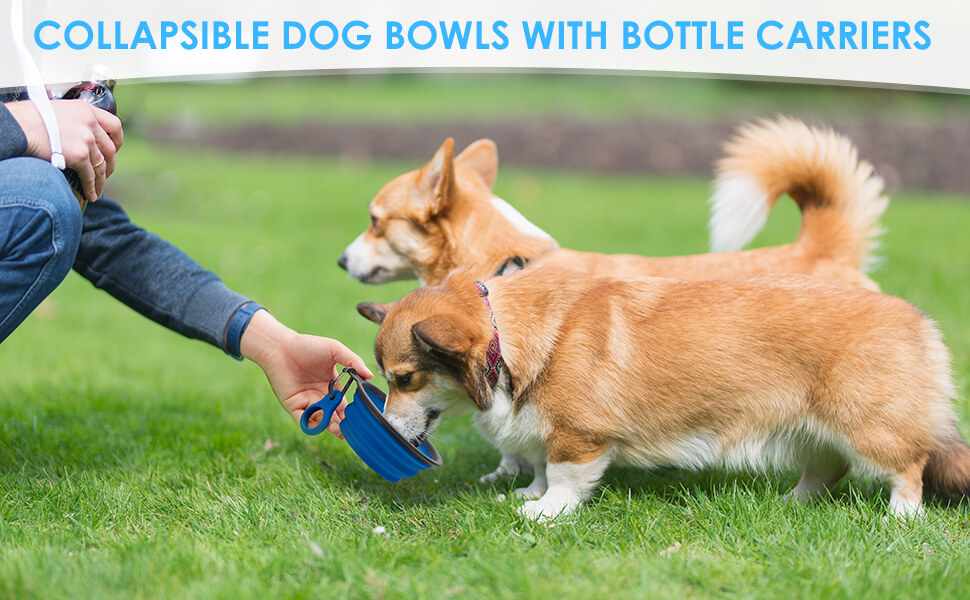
[{"x": 494, "y": 353}]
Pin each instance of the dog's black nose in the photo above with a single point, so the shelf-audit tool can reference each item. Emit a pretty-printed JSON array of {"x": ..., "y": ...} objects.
[{"x": 342, "y": 262}]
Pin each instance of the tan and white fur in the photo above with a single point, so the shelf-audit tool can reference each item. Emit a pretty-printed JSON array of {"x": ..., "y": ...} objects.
[
  {"x": 748, "y": 372},
  {"x": 444, "y": 216}
]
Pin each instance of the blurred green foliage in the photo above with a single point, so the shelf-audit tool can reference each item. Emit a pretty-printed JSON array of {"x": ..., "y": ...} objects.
[{"x": 424, "y": 97}]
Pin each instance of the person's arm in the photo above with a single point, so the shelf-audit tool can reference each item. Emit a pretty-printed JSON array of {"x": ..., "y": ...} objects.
[
  {"x": 162, "y": 283},
  {"x": 152, "y": 276},
  {"x": 13, "y": 142}
]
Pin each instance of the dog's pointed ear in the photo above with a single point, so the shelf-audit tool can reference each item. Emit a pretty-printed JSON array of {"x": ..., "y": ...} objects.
[
  {"x": 438, "y": 177},
  {"x": 439, "y": 335},
  {"x": 481, "y": 156},
  {"x": 374, "y": 311},
  {"x": 445, "y": 338}
]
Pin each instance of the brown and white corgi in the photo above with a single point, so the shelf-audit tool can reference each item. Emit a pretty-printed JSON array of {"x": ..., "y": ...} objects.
[
  {"x": 444, "y": 216},
  {"x": 576, "y": 372}
]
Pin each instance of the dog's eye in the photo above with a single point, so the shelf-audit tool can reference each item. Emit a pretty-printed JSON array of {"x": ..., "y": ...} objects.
[
  {"x": 403, "y": 381},
  {"x": 373, "y": 222}
]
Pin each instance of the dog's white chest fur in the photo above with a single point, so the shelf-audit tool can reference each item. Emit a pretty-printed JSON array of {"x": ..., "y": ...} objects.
[{"x": 512, "y": 432}]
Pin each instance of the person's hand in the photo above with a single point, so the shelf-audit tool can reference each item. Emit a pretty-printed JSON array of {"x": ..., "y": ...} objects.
[
  {"x": 90, "y": 137},
  {"x": 299, "y": 367}
]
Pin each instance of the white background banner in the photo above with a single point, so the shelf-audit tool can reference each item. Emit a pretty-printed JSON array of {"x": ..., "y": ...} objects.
[{"x": 894, "y": 42}]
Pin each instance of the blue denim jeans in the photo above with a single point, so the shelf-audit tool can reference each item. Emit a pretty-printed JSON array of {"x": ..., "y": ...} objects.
[
  {"x": 42, "y": 235},
  {"x": 40, "y": 230}
]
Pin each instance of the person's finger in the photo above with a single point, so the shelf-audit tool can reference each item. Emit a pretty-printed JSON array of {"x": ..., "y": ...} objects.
[
  {"x": 297, "y": 414},
  {"x": 296, "y": 406},
  {"x": 334, "y": 428},
  {"x": 335, "y": 419},
  {"x": 98, "y": 163},
  {"x": 85, "y": 172},
  {"x": 112, "y": 126},
  {"x": 107, "y": 148},
  {"x": 343, "y": 355}
]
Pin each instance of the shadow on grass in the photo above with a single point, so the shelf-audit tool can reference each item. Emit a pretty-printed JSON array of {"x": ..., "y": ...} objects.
[
  {"x": 677, "y": 486},
  {"x": 462, "y": 465},
  {"x": 683, "y": 487},
  {"x": 680, "y": 487},
  {"x": 465, "y": 462}
]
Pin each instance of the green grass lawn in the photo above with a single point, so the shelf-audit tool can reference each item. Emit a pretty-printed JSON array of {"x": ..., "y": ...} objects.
[{"x": 136, "y": 464}]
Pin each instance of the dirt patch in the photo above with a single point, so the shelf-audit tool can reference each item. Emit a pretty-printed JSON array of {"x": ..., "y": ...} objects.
[{"x": 907, "y": 156}]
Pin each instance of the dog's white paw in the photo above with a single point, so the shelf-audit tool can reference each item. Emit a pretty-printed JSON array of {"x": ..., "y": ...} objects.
[
  {"x": 906, "y": 515},
  {"x": 543, "y": 511},
  {"x": 557, "y": 502},
  {"x": 493, "y": 476},
  {"x": 511, "y": 465},
  {"x": 533, "y": 492}
]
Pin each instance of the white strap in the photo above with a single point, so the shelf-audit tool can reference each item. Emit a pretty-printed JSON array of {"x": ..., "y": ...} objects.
[{"x": 35, "y": 85}]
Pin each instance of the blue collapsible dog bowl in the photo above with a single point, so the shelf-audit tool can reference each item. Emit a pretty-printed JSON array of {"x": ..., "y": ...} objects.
[{"x": 378, "y": 444}]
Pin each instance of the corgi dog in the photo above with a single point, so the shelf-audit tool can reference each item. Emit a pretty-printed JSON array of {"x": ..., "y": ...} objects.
[
  {"x": 576, "y": 372},
  {"x": 444, "y": 216}
]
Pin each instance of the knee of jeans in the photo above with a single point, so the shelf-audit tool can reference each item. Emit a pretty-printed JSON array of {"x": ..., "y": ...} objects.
[{"x": 44, "y": 186}]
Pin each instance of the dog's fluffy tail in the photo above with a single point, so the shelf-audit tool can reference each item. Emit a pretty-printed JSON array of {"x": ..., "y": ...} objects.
[
  {"x": 839, "y": 196},
  {"x": 947, "y": 471}
]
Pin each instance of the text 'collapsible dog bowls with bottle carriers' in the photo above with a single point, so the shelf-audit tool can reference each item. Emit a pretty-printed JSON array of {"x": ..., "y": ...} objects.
[{"x": 378, "y": 444}]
